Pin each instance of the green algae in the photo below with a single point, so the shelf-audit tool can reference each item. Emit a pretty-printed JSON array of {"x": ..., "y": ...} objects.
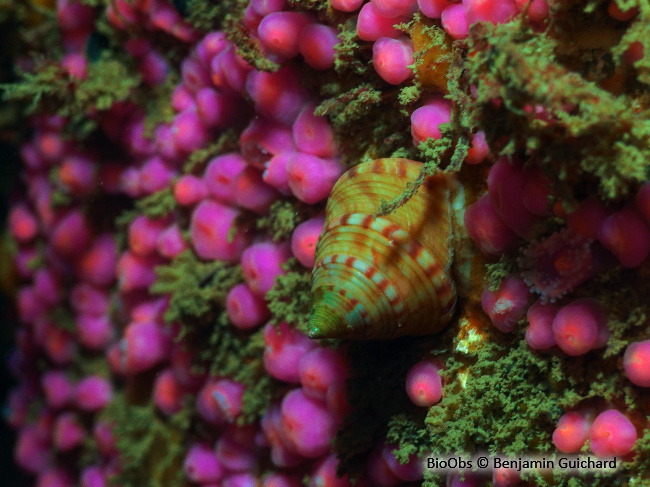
[
  {"x": 197, "y": 289},
  {"x": 352, "y": 56},
  {"x": 158, "y": 107},
  {"x": 498, "y": 271},
  {"x": 157, "y": 205},
  {"x": 290, "y": 297},
  {"x": 283, "y": 218},
  {"x": 151, "y": 447},
  {"x": 197, "y": 160}
]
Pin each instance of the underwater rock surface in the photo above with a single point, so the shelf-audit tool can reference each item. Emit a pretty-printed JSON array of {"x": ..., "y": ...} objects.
[{"x": 177, "y": 160}]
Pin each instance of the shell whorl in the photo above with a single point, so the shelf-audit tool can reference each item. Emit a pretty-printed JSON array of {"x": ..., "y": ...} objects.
[{"x": 383, "y": 277}]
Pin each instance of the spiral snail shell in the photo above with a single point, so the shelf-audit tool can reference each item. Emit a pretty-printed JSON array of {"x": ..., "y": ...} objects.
[{"x": 383, "y": 277}]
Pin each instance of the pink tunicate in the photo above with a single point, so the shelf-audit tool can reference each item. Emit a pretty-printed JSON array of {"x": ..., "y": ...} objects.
[
  {"x": 228, "y": 395},
  {"x": 59, "y": 344},
  {"x": 275, "y": 172},
  {"x": 263, "y": 139},
  {"x": 307, "y": 423},
  {"x": 424, "y": 384},
  {"x": 182, "y": 365},
  {"x": 23, "y": 224},
  {"x": 536, "y": 193},
  {"x": 506, "y": 183},
  {"x": 188, "y": 132},
  {"x": 87, "y": 299},
  {"x": 206, "y": 404},
  {"x": 30, "y": 305},
  {"x": 47, "y": 286},
  {"x": 378, "y": 470},
  {"x": 346, "y": 5},
  {"x": 143, "y": 233},
  {"x": 479, "y": 149},
  {"x": 77, "y": 174},
  {"x": 636, "y": 363},
  {"x": 31, "y": 452},
  {"x": 282, "y": 453},
  {"x": 280, "y": 32},
  {"x": 505, "y": 477},
  {"x": 171, "y": 242},
  {"x": 195, "y": 76},
  {"x": 201, "y": 464},
  {"x": 214, "y": 108},
  {"x": 55, "y": 477},
  {"x": 391, "y": 59},
  {"x": 76, "y": 65},
  {"x": 50, "y": 145},
  {"x": 537, "y": 10},
  {"x": 454, "y": 21},
  {"x": 241, "y": 480},
  {"x": 317, "y": 44},
  {"x": 577, "y": 325},
  {"x": 539, "y": 334},
  {"x": 72, "y": 235},
  {"x": 277, "y": 479},
  {"x": 507, "y": 304},
  {"x": 246, "y": 310},
  {"x": 68, "y": 432},
  {"x": 412, "y": 471},
  {"x": 168, "y": 393},
  {"x": 165, "y": 144},
  {"x": 311, "y": 178},
  {"x": 278, "y": 95},
  {"x": 220, "y": 175},
  {"x": 210, "y": 232},
  {"x": 57, "y": 388},
  {"x": 612, "y": 434},
  {"x": 190, "y": 190},
  {"x": 325, "y": 475},
  {"x": 494, "y": 11},
  {"x": 229, "y": 71},
  {"x": 319, "y": 369},
  {"x": 626, "y": 234},
  {"x": 102, "y": 433},
  {"x": 137, "y": 46},
  {"x": 262, "y": 263},
  {"x": 154, "y": 68},
  {"x": 98, "y": 264},
  {"x": 211, "y": 45},
  {"x": 425, "y": 121},
  {"x": 571, "y": 432},
  {"x": 313, "y": 134},
  {"x": 130, "y": 182},
  {"x": 155, "y": 175},
  {"x": 93, "y": 393},
  {"x": 139, "y": 144},
  {"x": 252, "y": 193},
  {"x": 434, "y": 8},
  {"x": 143, "y": 346},
  {"x": 93, "y": 476},
  {"x": 372, "y": 26},
  {"x": 283, "y": 350},
  {"x": 394, "y": 8},
  {"x": 265, "y": 7},
  {"x": 94, "y": 332},
  {"x": 303, "y": 240},
  {"x": 236, "y": 448}
]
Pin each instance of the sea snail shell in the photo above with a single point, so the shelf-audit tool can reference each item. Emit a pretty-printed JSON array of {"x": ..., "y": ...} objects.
[{"x": 383, "y": 277}]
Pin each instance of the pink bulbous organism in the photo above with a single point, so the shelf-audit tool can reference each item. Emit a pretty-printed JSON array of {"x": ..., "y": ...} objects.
[
  {"x": 486, "y": 228},
  {"x": 494, "y": 11},
  {"x": 626, "y": 234},
  {"x": 93, "y": 393},
  {"x": 425, "y": 121},
  {"x": 394, "y": 8},
  {"x": 93, "y": 476},
  {"x": 71, "y": 235},
  {"x": 144, "y": 345},
  {"x": 372, "y": 26},
  {"x": 135, "y": 272},
  {"x": 379, "y": 471},
  {"x": 190, "y": 190},
  {"x": 262, "y": 263},
  {"x": 612, "y": 434},
  {"x": 507, "y": 304},
  {"x": 313, "y": 134},
  {"x": 433, "y": 8},
  {"x": 636, "y": 362},
  {"x": 317, "y": 45},
  {"x": 303, "y": 240},
  {"x": 505, "y": 477},
  {"x": 572, "y": 431},
  {"x": 229, "y": 395},
  {"x": 155, "y": 175},
  {"x": 32, "y": 453},
  {"x": 537, "y": 9},
  {"x": 55, "y": 477},
  {"x": 211, "y": 45},
  {"x": 539, "y": 334},
  {"x": 454, "y": 21},
  {"x": 346, "y": 5},
  {"x": 67, "y": 432},
  {"x": 98, "y": 264},
  {"x": 278, "y": 95},
  {"x": 284, "y": 347},
  {"x": 282, "y": 453},
  {"x": 275, "y": 172},
  {"x": 311, "y": 178},
  {"x": 202, "y": 466},
  {"x": 309, "y": 426},
  {"x": 143, "y": 234},
  {"x": 324, "y": 473},
  {"x": 280, "y": 32},
  {"x": 263, "y": 138},
  {"x": 57, "y": 388},
  {"x": 171, "y": 242},
  {"x": 220, "y": 176},
  {"x": 206, "y": 403},
  {"x": 94, "y": 332},
  {"x": 168, "y": 392},
  {"x": 577, "y": 326},
  {"x": 391, "y": 59},
  {"x": 188, "y": 132},
  {"x": 277, "y": 479},
  {"x": 90, "y": 300},
  {"x": 537, "y": 192},
  {"x": 319, "y": 369},
  {"x": 236, "y": 449},
  {"x": 210, "y": 232},
  {"x": 182, "y": 99},
  {"x": 478, "y": 150},
  {"x": 411, "y": 471},
  {"x": 424, "y": 384},
  {"x": 252, "y": 193},
  {"x": 246, "y": 310},
  {"x": 77, "y": 174},
  {"x": 506, "y": 183},
  {"x": 229, "y": 71},
  {"x": 47, "y": 286}
]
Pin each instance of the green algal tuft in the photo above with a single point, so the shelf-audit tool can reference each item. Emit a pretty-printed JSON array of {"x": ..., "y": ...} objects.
[
  {"x": 151, "y": 448},
  {"x": 197, "y": 289},
  {"x": 498, "y": 271},
  {"x": 158, "y": 105},
  {"x": 290, "y": 297},
  {"x": 283, "y": 218},
  {"x": 197, "y": 160},
  {"x": 351, "y": 54},
  {"x": 157, "y": 205},
  {"x": 63, "y": 318}
]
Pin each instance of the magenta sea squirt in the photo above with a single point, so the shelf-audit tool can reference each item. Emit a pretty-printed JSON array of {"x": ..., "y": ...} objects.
[{"x": 282, "y": 243}]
